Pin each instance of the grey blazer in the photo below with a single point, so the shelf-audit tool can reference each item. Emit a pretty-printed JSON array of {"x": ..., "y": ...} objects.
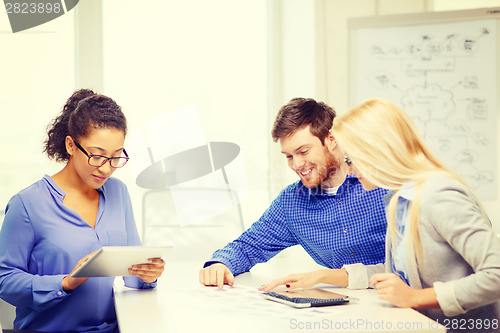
[{"x": 461, "y": 253}]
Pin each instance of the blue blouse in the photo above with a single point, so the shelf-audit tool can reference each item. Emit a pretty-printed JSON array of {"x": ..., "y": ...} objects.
[
  {"x": 398, "y": 263},
  {"x": 42, "y": 240}
]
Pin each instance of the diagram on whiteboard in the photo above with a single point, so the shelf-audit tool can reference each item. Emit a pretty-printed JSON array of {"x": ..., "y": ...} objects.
[{"x": 444, "y": 77}]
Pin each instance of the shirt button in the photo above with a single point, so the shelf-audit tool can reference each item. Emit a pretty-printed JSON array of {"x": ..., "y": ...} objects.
[
  {"x": 59, "y": 293},
  {"x": 352, "y": 254},
  {"x": 340, "y": 201},
  {"x": 345, "y": 231}
]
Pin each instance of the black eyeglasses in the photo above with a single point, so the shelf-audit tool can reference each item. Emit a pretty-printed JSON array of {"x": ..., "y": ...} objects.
[
  {"x": 347, "y": 161},
  {"x": 99, "y": 160}
]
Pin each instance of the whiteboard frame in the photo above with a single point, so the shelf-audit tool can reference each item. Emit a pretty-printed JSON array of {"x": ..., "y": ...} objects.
[{"x": 384, "y": 21}]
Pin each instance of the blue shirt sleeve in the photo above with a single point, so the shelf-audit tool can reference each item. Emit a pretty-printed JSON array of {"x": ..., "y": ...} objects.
[
  {"x": 17, "y": 285},
  {"x": 262, "y": 241}
]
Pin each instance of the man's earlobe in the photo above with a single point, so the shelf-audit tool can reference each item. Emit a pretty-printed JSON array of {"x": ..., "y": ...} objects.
[{"x": 330, "y": 139}]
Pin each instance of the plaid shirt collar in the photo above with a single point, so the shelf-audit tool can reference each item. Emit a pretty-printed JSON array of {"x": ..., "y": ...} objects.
[{"x": 318, "y": 191}]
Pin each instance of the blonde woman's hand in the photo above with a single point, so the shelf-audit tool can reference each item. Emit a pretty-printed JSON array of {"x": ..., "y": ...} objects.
[
  {"x": 392, "y": 289},
  {"x": 336, "y": 277},
  {"x": 395, "y": 291},
  {"x": 294, "y": 281}
]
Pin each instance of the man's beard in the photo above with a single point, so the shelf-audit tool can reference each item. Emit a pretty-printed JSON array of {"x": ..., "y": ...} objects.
[{"x": 332, "y": 166}]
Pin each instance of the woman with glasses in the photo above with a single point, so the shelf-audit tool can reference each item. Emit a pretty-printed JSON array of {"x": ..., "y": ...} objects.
[
  {"x": 442, "y": 254},
  {"x": 52, "y": 227}
]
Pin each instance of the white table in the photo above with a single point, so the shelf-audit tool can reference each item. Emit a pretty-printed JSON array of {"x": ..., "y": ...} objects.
[{"x": 181, "y": 304}]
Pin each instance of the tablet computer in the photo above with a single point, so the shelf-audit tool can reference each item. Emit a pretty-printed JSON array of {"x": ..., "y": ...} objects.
[
  {"x": 306, "y": 298},
  {"x": 116, "y": 260}
]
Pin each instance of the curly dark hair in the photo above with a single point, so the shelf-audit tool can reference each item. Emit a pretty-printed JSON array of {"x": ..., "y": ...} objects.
[
  {"x": 84, "y": 110},
  {"x": 301, "y": 112}
]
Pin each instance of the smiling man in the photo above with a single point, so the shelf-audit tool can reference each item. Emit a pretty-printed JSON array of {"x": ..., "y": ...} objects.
[{"x": 340, "y": 225}]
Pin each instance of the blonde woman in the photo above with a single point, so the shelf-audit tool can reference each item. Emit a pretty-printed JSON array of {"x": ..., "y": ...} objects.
[{"x": 442, "y": 254}]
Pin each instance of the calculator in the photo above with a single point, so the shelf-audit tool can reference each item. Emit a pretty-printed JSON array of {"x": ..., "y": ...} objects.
[{"x": 306, "y": 298}]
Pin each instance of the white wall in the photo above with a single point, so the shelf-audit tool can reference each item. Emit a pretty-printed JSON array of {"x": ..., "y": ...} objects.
[
  {"x": 293, "y": 70},
  {"x": 151, "y": 60},
  {"x": 439, "y": 5},
  {"x": 209, "y": 53},
  {"x": 37, "y": 70}
]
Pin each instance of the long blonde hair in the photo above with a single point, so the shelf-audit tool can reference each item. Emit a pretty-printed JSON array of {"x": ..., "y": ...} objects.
[{"x": 384, "y": 144}]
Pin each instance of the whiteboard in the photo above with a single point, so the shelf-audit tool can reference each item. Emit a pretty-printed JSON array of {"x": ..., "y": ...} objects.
[{"x": 443, "y": 73}]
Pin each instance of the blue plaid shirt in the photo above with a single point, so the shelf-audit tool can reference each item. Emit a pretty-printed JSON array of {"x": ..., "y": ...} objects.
[{"x": 346, "y": 228}]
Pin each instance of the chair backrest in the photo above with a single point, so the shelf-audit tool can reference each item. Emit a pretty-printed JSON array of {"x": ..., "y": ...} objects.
[
  {"x": 161, "y": 226},
  {"x": 7, "y": 311}
]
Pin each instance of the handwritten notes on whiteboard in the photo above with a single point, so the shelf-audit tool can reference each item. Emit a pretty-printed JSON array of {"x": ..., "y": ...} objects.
[{"x": 444, "y": 75}]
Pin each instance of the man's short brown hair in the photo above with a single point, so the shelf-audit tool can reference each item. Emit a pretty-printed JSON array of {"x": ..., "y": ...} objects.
[{"x": 301, "y": 112}]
